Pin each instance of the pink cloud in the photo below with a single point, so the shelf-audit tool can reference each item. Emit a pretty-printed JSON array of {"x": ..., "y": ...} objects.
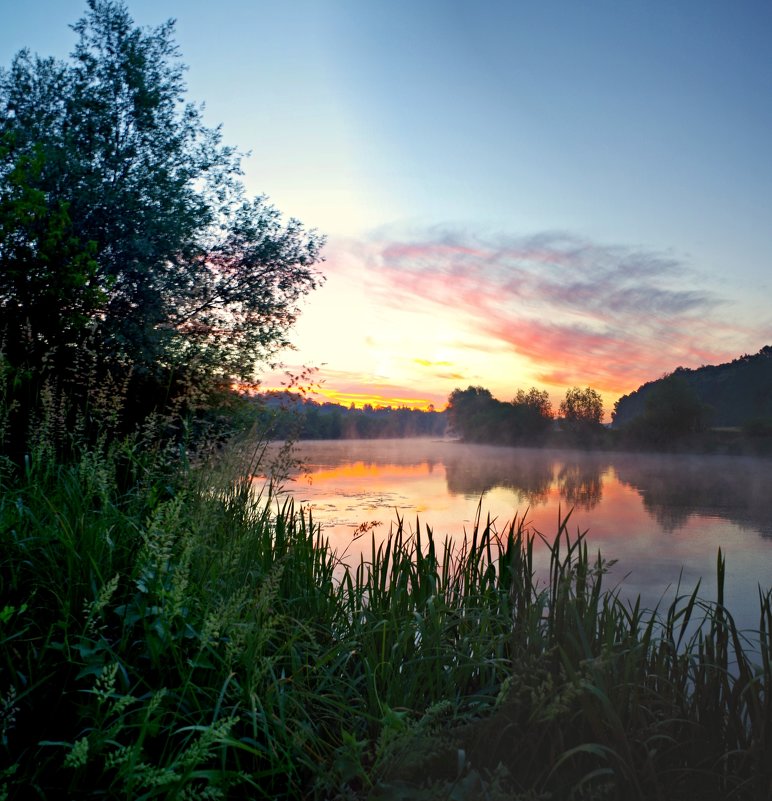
[{"x": 580, "y": 312}]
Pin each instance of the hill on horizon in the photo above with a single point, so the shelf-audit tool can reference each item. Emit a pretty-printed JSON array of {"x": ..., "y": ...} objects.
[{"x": 736, "y": 392}]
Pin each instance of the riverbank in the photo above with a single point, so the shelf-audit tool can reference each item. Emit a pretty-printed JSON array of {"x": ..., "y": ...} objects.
[
  {"x": 185, "y": 638},
  {"x": 287, "y": 416}
]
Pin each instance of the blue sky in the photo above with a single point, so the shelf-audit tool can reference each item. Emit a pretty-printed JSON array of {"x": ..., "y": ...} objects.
[{"x": 515, "y": 193}]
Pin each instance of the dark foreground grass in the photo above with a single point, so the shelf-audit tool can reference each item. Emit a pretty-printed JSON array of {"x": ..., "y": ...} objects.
[{"x": 168, "y": 635}]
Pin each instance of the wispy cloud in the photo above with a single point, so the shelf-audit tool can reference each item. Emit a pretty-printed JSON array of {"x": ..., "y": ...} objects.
[
  {"x": 405, "y": 320},
  {"x": 578, "y": 311}
]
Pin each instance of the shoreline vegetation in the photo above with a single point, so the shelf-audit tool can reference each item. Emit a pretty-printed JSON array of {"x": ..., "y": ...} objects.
[
  {"x": 165, "y": 634},
  {"x": 287, "y": 416},
  {"x": 723, "y": 409},
  {"x": 188, "y": 639}
]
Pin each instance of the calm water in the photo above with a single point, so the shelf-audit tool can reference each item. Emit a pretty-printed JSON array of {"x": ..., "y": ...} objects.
[{"x": 656, "y": 515}]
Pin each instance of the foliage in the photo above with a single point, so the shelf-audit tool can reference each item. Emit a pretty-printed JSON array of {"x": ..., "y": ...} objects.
[
  {"x": 582, "y": 412},
  {"x": 476, "y": 416},
  {"x": 472, "y": 413},
  {"x": 187, "y": 642},
  {"x": 531, "y": 414},
  {"x": 48, "y": 282},
  {"x": 737, "y": 392},
  {"x": 291, "y": 416},
  {"x": 672, "y": 413},
  {"x": 536, "y": 399},
  {"x": 582, "y": 407},
  {"x": 124, "y": 226}
]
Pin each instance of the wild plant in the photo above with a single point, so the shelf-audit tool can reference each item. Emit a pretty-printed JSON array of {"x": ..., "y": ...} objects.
[{"x": 191, "y": 639}]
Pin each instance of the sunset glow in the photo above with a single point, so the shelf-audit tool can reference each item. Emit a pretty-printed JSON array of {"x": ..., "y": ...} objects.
[
  {"x": 546, "y": 195},
  {"x": 359, "y": 400},
  {"x": 374, "y": 472},
  {"x": 506, "y": 315}
]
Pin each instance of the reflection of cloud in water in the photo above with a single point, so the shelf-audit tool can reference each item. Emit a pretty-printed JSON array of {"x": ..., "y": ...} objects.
[{"x": 673, "y": 489}]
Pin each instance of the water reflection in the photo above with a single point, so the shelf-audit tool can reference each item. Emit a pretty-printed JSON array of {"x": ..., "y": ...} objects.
[
  {"x": 672, "y": 489},
  {"x": 531, "y": 474},
  {"x": 662, "y": 517},
  {"x": 529, "y": 478},
  {"x": 675, "y": 488},
  {"x": 581, "y": 485}
]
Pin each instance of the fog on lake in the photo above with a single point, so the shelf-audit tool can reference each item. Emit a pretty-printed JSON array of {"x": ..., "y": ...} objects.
[{"x": 658, "y": 516}]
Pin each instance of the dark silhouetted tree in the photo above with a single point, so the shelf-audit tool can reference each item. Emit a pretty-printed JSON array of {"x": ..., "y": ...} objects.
[
  {"x": 472, "y": 414},
  {"x": 673, "y": 411},
  {"x": 530, "y": 417},
  {"x": 582, "y": 407},
  {"x": 476, "y": 416},
  {"x": 674, "y": 408},
  {"x": 582, "y": 413},
  {"x": 124, "y": 221},
  {"x": 49, "y": 288}
]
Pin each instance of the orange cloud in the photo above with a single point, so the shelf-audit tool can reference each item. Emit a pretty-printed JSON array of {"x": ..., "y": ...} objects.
[
  {"x": 402, "y": 323},
  {"x": 374, "y": 398},
  {"x": 578, "y": 312}
]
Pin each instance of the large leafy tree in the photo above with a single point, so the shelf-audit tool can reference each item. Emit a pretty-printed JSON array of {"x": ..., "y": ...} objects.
[
  {"x": 476, "y": 416},
  {"x": 673, "y": 411},
  {"x": 582, "y": 407},
  {"x": 473, "y": 414},
  {"x": 123, "y": 219},
  {"x": 531, "y": 415},
  {"x": 49, "y": 290}
]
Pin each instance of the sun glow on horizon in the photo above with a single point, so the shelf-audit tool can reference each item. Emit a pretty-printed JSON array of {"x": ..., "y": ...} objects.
[
  {"x": 473, "y": 239},
  {"x": 404, "y": 319},
  {"x": 361, "y": 399}
]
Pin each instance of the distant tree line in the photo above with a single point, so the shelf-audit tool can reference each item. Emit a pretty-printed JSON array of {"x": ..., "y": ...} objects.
[
  {"x": 288, "y": 416},
  {"x": 734, "y": 394},
  {"x": 668, "y": 414},
  {"x": 528, "y": 419}
]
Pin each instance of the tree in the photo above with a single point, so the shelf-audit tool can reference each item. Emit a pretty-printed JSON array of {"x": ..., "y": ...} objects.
[
  {"x": 537, "y": 400},
  {"x": 531, "y": 415},
  {"x": 674, "y": 408},
  {"x": 476, "y": 416},
  {"x": 48, "y": 281},
  {"x": 124, "y": 219},
  {"x": 673, "y": 411},
  {"x": 582, "y": 408},
  {"x": 472, "y": 414}
]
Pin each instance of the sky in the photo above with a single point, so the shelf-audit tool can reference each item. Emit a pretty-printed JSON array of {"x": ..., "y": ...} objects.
[{"x": 514, "y": 194}]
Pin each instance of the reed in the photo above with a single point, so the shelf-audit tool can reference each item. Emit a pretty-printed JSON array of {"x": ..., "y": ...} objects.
[{"x": 187, "y": 639}]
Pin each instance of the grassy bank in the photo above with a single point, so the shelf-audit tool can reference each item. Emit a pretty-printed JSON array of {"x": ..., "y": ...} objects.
[{"x": 164, "y": 634}]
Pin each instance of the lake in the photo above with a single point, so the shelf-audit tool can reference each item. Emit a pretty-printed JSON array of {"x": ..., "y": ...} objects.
[{"x": 657, "y": 515}]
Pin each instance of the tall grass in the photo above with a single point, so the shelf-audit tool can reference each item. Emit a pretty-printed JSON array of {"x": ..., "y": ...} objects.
[{"x": 166, "y": 634}]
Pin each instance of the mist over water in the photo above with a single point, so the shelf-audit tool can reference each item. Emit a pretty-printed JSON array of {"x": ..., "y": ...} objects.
[{"x": 660, "y": 516}]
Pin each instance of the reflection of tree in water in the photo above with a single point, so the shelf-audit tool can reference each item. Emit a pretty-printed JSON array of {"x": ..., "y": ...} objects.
[
  {"x": 581, "y": 484},
  {"x": 526, "y": 472},
  {"x": 673, "y": 488},
  {"x": 529, "y": 473}
]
